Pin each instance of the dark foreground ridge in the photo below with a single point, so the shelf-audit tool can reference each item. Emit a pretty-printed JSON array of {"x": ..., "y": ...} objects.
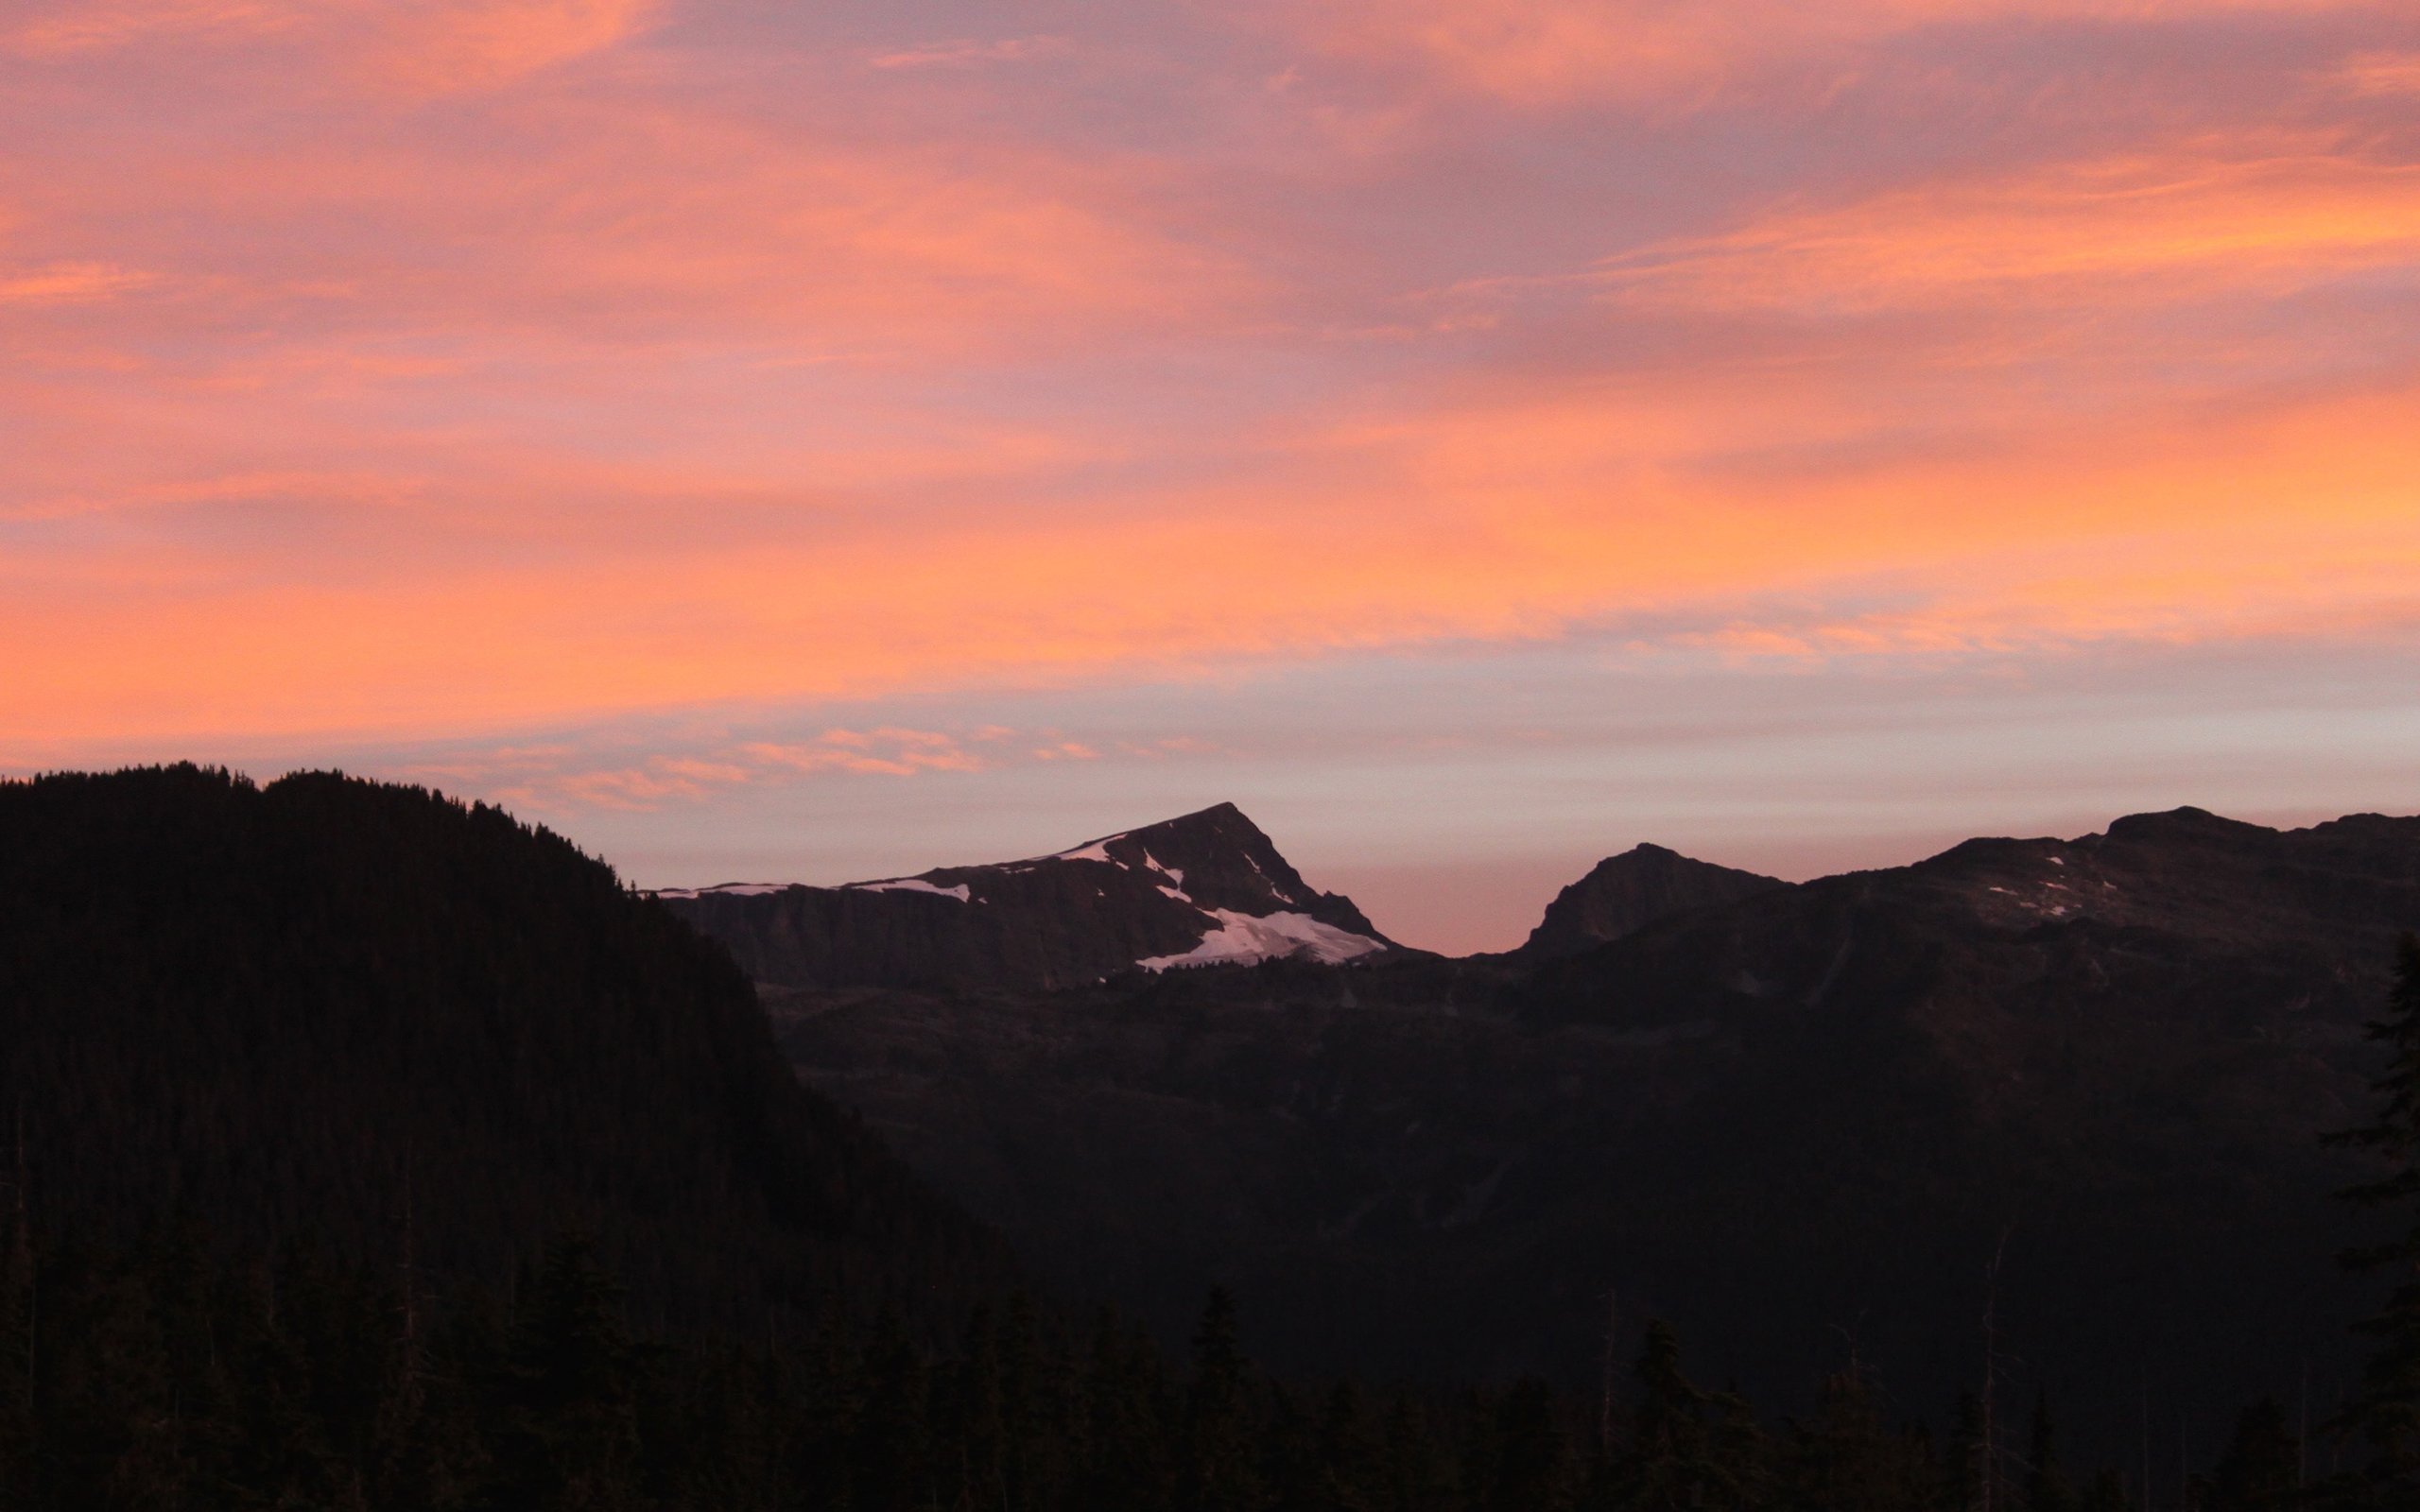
[
  {"x": 1205, "y": 889},
  {"x": 390, "y": 1025},
  {"x": 1800, "y": 1122}
]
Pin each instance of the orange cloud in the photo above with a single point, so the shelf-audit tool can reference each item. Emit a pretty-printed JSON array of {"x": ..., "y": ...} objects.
[
  {"x": 966, "y": 53},
  {"x": 480, "y": 44},
  {"x": 428, "y": 45},
  {"x": 2216, "y": 524},
  {"x": 69, "y": 283},
  {"x": 615, "y": 224},
  {"x": 1554, "y": 51},
  {"x": 58, "y": 30},
  {"x": 2160, "y": 227},
  {"x": 558, "y": 778},
  {"x": 2382, "y": 73}
]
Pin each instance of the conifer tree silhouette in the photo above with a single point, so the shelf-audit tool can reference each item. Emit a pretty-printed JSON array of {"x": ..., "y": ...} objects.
[{"x": 2384, "y": 1411}]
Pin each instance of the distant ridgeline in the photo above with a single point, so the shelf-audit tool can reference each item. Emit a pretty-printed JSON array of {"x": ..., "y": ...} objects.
[
  {"x": 394, "y": 1026},
  {"x": 1798, "y": 1120}
]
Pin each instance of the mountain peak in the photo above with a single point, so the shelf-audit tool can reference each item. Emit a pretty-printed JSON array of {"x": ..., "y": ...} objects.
[
  {"x": 1204, "y": 889},
  {"x": 1627, "y": 892},
  {"x": 1221, "y": 860},
  {"x": 2185, "y": 823}
]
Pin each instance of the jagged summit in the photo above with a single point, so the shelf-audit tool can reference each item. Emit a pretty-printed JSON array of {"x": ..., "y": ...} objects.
[
  {"x": 1627, "y": 892},
  {"x": 1205, "y": 888}
]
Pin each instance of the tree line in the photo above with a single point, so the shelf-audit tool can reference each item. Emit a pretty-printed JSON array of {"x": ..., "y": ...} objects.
[{"x": 168, "y": 1373}]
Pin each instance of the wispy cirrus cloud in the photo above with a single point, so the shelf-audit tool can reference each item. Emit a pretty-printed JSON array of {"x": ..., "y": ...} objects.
[
  {"x": 101, "y": 25},
  {"x": 425, "y": 45},
  {"x": 2382, "y": 73},
  {"x": 69, "y": 283},
  {"x": 597, "y": 771},
  {"x": 972, "y": 53},
  {"x": 2145, "y": 229},
  {"x": 1557, "y": 52}
]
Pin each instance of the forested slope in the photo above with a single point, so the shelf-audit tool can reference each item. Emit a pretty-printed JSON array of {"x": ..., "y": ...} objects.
[{"x": 381, "y": 1020}]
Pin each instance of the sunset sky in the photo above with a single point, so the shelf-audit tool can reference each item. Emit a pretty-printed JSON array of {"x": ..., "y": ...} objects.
[{"x": 766, "y": 441}]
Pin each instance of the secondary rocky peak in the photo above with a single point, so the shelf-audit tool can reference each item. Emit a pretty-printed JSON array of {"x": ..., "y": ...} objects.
[
  {"x": 2188, "y": 826},
  {"x": 1627, "y": 892}
]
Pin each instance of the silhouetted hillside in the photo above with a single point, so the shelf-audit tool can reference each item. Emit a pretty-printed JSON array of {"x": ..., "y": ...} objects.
[{"x": 375, "y": 1017}]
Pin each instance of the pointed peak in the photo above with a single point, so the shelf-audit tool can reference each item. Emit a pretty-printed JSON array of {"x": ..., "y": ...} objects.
[
  {"x": 1217, "y": 817},
  {"x": 1645, "y": 851}
]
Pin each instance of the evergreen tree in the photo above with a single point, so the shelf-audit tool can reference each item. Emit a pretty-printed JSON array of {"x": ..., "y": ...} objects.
[
  {"x": 1846, "y": 1459},
  {"x": 1416, "y": 1472},
  {"x": 1689, "y": 1450},
  {"x": 1289, "y": 1454},
  {"x": 2384, "y": 1413},
  {"x": 2262, "y": 1471},
  {"x": 1967, "y": 1460},
  {"x": 1038, "y": 1418},
  {"x": 18, "y": 1301},
  {"x": 1126, "y": 1465},
  {"x": 572, "y": 1440},
  {"x": 2107, "y": 1494},
  {"x": 2045, "y": 1483},
  {"x": 1349, "y": 1452},
  {"x": 1532, "y": 1468},
  {"x": 892, "y": 1441},
  {"x": 972, "y": 1420},
  {"x": 1219, "y": 1469}
]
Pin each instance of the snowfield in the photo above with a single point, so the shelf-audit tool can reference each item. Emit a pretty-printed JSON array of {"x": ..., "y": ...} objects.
[{"x": 1243, "y": 939}]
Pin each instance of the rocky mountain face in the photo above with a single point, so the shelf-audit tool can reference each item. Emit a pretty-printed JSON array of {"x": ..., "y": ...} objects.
[
  {"x": 1801, "y": 1123},
  {"x": 1207, "y": 888},
  {"x": 1625, "y": 892}
]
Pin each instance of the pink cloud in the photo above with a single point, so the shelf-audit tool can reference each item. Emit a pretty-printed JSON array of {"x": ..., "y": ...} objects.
[
  {"x": 2382, "y": 73},
  {"x": 2150, "y": 227},
  {"x": 70, "y": 284},
  {"x": 426, "y": 44},
  {"x": 965, "y": 53},
  {"x": 1557, "y": 52}
]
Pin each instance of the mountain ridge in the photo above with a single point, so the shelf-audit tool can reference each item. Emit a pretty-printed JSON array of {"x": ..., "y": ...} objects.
[{"x": 1813, "y": 1108}]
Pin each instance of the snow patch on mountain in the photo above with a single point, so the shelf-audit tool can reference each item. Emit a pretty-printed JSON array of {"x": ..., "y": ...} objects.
[
  {"x": 1243, "y": 939},
  {"x": 961, "y": 892}
]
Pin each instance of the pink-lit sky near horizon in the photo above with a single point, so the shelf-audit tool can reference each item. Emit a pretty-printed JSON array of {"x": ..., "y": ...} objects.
[{"x": 819, "y": 443}]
